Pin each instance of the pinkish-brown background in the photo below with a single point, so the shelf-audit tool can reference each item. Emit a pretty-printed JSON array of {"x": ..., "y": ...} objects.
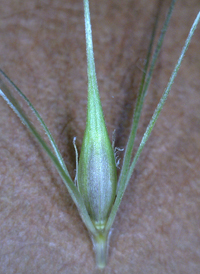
[{"x": 42, "y": 49}]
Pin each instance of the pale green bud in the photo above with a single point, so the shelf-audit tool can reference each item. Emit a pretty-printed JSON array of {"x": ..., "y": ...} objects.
[{"x": 97, "y": 176}]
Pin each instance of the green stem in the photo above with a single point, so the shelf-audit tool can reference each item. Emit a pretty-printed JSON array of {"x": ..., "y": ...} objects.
[{"x": 100, "y": 245}]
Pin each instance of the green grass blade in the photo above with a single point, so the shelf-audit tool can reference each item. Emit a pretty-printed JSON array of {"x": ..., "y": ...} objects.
[
  {"x": 141, "y": 96},
  {"x": 51, "y": 139},
  {"x": 7, "y": 96},
  {"x": 152, "y": 122},
  {"x": 142, "y": 93},
  {"x": 158, "y": 47},
  {"x": 163, "y": 98}
]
